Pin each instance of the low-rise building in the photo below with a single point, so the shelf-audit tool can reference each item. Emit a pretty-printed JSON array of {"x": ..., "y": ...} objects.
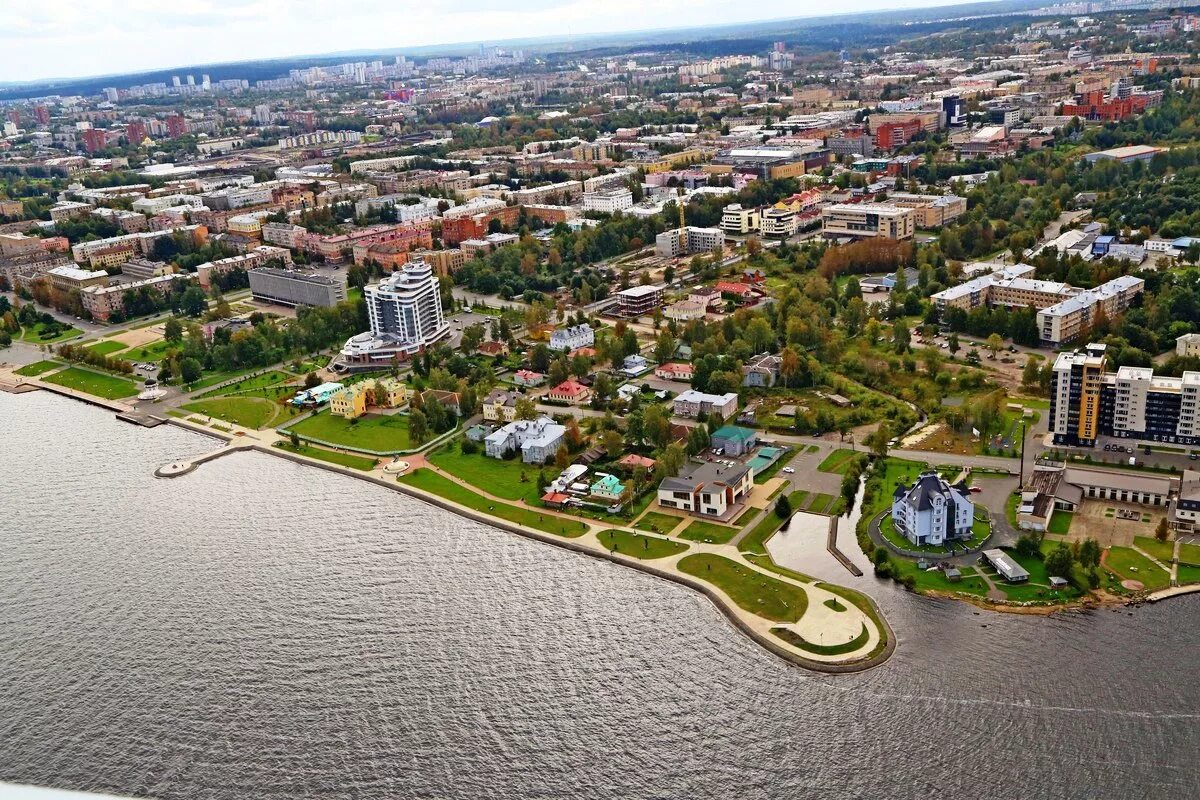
[
  {"x": 637, "y": 301},
  {"x": 500, "y": 405},
  {"x": 932, "y": 512},
  {"x": 740, "y": 221},
  {"x": 293, "y": 287},
  {"x": 761, "y": 371},
  {"x": 867, "y": 221},
  {"x": 572, "y": 338},
  {"x": 571, "y": 392},
  {"x": 693, "y": 403},
  {"x": 674, "y": 371},
  {"x": 708, "y": 489},
  {"x": 734, "y": 440},
  {"x": 537, "y": 440}
]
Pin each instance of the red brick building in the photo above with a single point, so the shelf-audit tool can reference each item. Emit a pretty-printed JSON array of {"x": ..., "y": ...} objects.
[
  {"x": 457, "y": 229},
  {"x": 890, "y": 135},
  {"x": 94, "y": 140},
  {"x": 1096, "y": 105},
  {"x": 176, "y": 126}
]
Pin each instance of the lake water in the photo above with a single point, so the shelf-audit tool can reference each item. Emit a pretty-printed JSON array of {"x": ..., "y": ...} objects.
[{"x": 263, "y": 629}]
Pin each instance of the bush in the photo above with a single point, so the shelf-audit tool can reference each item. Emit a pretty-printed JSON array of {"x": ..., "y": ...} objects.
[{"x": 468, "y": 447}]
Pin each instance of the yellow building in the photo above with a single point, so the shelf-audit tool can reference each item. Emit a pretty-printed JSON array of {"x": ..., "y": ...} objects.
[
  {"x": 351, "y": 401},
  {"x": 390, "y": 393}
]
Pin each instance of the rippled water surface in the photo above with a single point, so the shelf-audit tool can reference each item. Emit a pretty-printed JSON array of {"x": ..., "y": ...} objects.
[{"x": 263, "y": 629}]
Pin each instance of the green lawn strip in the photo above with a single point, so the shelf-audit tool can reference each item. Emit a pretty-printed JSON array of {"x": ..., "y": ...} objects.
[
  {"x": 701, "y": 531},
  {"x": 639, "y": 546},
  {"x": 1188, "y": 573},
  {"x": 262, "y": 381},
  {"x": 344, "y": 459},
  {"x": 1163, "y": 551},
  {"x": 934, "y": 580},
  {"x": 213, "y": 378},
  {"x": 106, "y": 348},
  {"x": 766, "y": 562},
  {"x": 155, "y": 351},
  {"x": 820, "y": 503},
  {"x": 33, "y": 334},
  {"x": 510, "y": 479},
  {"x": 773, "y": 470},
  {"x": 1132, "y": 565},
  {"x": 863, "y": 604},
  {"x": 837, "y": 461},
  {"x": 756, "y": 540},
  {"x": 444, "y": 487},
  {"x": 744, "y": 518},
  {"x": 796, "y": 640},
  {"x": 834, "y": 604},
  {"x": 94, "y": 383},
  {"x": 657, "y": 523},
  {"x": 379, "y": 432},
  {"x": 249, "y": 412},
  {"x": 1189, "y": 554},
  {"x": 37, "y": 368},
  {"x": 757, "y": 593},
  {"x": 812, "y": 448}
]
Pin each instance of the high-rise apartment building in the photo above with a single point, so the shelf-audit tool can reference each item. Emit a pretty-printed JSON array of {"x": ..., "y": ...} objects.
[{"x": 405, "y": 314}]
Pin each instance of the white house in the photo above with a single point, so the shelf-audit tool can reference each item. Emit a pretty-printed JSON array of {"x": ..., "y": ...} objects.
[
  {"x": 693, "y": 403},
  {"x": 931, "y": 511},
  {"x": 536, "y": 439},
  {"x": 572, "y": 338}
]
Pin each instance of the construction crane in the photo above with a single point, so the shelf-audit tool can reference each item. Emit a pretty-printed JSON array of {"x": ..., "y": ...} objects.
[{"x": 683, "y": 238}]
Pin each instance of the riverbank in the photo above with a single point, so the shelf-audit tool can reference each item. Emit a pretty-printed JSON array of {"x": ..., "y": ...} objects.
[{"x": 799, "y": 621}]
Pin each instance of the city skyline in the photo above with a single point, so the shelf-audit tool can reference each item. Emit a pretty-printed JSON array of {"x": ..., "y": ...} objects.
[{"x": 138, "y": 36}]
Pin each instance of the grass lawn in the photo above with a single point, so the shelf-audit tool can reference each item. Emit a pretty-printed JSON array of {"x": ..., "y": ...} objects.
[
  {"x": 863, "y": 604},
  {"x": 751, "y": 590},
  {"x": 212, "y": 378},
  {"x": 34, "y": 334},
  {"x": 767, "y": 563},
  {"x": 262, "y": 381},
  {"x": 1060, "y": 522},
  {"x": 1163, "y": 551},
  {"x": 155, "y": 351},
  {"x": 344, "y": 459},
  {"x": 756, "y": 540},
  {"x": 444, "y": 487},
  {"x": 639, "y": 546},
  {"x": 105, "y": 348},
  {"x": 249, "y": 412},
  {"x": 657, "y": 523},
  {"x": 837, "y": 461},
  {"x": 1189, "y": 554},
  {"x": 1132, "y": 565},
  {"x": 37, "y": 368},
  {"x": 1188, "y": 574},
  {"x": 99, "y": 384},
  {"x": 493, "y": 475},
  {"x": 382, "y": 433},
  {"x": 798, "y": 641},
  {"x": 936, "y": 581},
  {"x": 820, "y": 503},
  {"x": 701, "y": 531}
]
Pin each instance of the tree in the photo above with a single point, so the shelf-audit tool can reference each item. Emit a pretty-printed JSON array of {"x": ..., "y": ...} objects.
[
  {"x": 1162, "y": 530},
  {"x": 190, "y": 370},
  {"x": 613, "y": 443},
  {"x": 1032, "y": 374},
  {"x": 173, "y": 330},
  {"x": 193, "y": 301},
  {"x": 783, "y": 506},
  {"x": 418, "y": 426},
  {"x": 901, "y": 336},
  {"x": 994, "y": 344},
  {"x": 952, "y": 344},
  {"x": 539, "y": 358},
  {"x": 525, "y": 408},
  {"x": 295, "y": 438},
  {"x": 472, "y": 337},
  {"x": 1059, "y": 562},
  {"x": 878, "y": 440},
  {"x": 311, "y": 380}
]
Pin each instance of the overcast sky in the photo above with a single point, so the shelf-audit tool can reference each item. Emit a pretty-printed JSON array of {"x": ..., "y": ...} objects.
[{"x": 69, "y": 38}]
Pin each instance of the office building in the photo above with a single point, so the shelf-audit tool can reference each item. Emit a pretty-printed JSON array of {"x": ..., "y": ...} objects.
[
  {"x": 867, "y": 221},
  {"x": 405, "y": 315},
  {"x": 739, "y": 221},
  {"x": 291, "y": 287},
  {"x": 572, "y": 337},
  {"x": 608, "y": 202}
]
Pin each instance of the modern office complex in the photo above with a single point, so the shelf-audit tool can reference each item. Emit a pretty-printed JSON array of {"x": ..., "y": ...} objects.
[
  {"x": 867, "y": 221},
  {"x": 1087, "y": 402},
  {"x": 293, "y": 287},
  {"x": 405, "y": 313}
]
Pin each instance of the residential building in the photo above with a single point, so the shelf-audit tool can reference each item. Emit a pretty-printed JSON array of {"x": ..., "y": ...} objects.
[
  {"x": 930, "y": 210},
  {"x": 572, "y": 338},
  {"x": 684, "y": 310},
  {"x": 1073, "y": 318},
  {"x": 294, "y": 287},
  {"x": 761, "y": 371},
  {"x": 674, "y": 371},
  {"x": 500, "y": 405},
  {"x": 537, "y": 440},
  {"x": 1188, "y": 345},
  {"x": 708, "y": 489},
  {"x": 528, "y": 378},
  {"x": 733, "y": 440},
  {"x": 106, "y": 302},
  {"x": 693, "y": 403},
  {"x": 867, "y": 221},
  {"x": 637, "y": 301},
  {"x": 1074, "y": 417},
  {"x": 405, "y": 314},
  {"x": 571, "y": 392},
  {"x": 932, "y": 512},
  {"x": 72, "y": 278},
  {"x": 258, "y": 257},
  {"x": 608, "y": 487},
  {"x": 688, "y": 240},
  {"x": 609, "y": 201}
]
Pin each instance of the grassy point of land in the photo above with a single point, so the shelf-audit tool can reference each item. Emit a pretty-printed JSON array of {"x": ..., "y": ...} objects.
[
  {"x": 757, "y": 593},
  {"x": 639, "y": 546},
  {"x": 37, "y": 368},
  {"x": 444, "y": 487},
  {"x": 99, "y": 384},
  {"x": 249, "y": 412},
  {"x": 1129, "y": 564},
  {"x": 837, "y": 461}
]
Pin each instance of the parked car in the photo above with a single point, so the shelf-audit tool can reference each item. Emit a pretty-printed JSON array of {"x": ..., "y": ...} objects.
[{"x": 788, "y": 470}]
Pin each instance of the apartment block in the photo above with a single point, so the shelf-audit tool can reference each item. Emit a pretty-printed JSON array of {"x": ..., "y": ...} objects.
[{"x": 867, "y": 221}]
